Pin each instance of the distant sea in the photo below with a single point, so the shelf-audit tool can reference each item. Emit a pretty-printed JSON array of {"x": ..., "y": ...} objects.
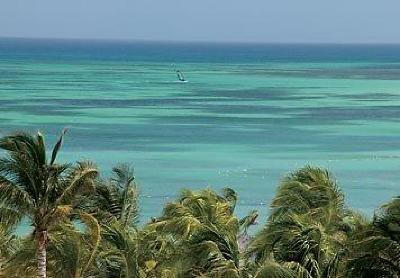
[{"x": 248, "y": 115}]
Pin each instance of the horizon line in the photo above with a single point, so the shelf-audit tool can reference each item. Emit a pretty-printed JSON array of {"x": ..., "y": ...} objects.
[{"x": 132, "y": 40}]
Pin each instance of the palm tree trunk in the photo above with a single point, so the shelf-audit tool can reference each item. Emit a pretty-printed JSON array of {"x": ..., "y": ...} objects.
[{"x": 41, "y": 253}]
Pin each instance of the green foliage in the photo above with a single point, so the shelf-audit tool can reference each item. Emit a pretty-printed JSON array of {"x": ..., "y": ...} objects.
[
  {"x": 119, "y": 254},
  {"x": 92, "y": 231},
  {"x": 114, "y": 199},
  {"x": 9, "y": 245},
  {"x": 70, "y": 252},
  {"x": 272, "y": 269},
  {"x": 306, "y": 230},
  {"x": 38, "y": 189},
  {"x": 203, "y": 229},
  {"x": 375, "y": 250}
]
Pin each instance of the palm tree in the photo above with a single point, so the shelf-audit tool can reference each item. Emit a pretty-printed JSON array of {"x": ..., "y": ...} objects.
[
  {"x": 71, "y": 252},
  {"x": 306, "y": 230},
  {"x": 115, "y": 199},
  {"x": 35, "y": 187},
  {"x": 119, "y": 254},
  {"x": 375, "y": 250},
  {"x": 202, "y": 229},
  {"x": 114, "y": 202}
]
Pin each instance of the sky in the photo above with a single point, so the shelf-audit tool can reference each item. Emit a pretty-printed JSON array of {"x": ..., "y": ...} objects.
[{"x": 301, "y": 21}]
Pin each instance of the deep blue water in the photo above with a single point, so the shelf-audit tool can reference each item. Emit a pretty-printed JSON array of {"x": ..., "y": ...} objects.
[{"x": 61, "y": 49}]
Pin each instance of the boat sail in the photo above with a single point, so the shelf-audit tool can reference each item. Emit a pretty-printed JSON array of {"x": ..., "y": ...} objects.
[{"x": 180, "y": 76}]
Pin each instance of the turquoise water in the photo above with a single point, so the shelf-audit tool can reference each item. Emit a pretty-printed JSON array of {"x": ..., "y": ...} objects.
[{"x": 248, "y": 115}]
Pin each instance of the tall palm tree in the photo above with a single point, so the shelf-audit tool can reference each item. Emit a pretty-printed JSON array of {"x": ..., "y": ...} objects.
[
  {"x": 35, "y": 187},
  {"x": 71, "y": 252}
]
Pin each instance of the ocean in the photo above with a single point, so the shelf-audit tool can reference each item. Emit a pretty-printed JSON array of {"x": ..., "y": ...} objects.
[{"x": 248, "y": 115}]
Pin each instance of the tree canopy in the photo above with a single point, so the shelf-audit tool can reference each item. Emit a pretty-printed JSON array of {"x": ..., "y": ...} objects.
[{"x": 87, "y": 225}]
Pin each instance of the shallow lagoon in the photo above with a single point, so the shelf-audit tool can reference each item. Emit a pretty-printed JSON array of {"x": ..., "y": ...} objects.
[{"x": 248, "y": 115}]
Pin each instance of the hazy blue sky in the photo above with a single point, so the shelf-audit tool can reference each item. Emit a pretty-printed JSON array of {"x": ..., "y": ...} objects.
[{"x": 205, "y": 20}]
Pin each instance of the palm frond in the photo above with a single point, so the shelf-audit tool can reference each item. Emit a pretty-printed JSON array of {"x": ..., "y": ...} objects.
[
  {"x": 57, "y": 147},
  {"x": 272, "y": 269},
  {"x": 79, "y": 177}
]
